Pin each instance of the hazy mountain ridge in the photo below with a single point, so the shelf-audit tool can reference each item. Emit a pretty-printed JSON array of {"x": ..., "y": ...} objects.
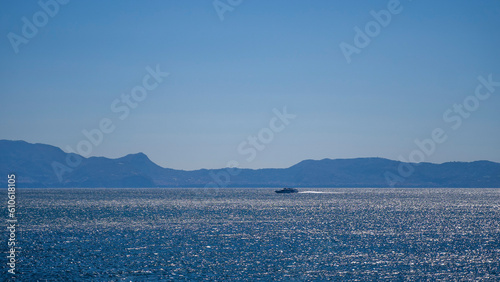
[{"x": 33, "y": 164}]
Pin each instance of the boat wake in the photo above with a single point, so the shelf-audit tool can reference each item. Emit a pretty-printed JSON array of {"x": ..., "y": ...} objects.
[{"x": 318, "y": 192}]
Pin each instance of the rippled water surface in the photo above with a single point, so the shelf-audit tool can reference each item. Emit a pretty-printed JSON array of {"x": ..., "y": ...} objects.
[{"x": 256, "y": 234}]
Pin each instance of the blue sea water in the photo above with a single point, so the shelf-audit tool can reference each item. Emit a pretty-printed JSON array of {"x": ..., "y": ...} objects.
[{"x": 257, "y": 235}]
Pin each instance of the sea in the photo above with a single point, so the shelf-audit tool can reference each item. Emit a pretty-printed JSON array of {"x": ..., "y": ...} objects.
[{"x": 235, "y": 234}]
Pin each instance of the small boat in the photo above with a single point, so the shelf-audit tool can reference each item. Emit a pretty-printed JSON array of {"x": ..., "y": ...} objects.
[{"x": 287, "y": 190}]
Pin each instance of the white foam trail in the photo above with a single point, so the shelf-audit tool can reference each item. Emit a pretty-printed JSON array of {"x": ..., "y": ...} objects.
[{"x": 319, "y": 192}]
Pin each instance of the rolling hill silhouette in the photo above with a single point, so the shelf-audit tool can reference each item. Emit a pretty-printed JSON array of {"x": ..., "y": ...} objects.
[{"x": 36, "y": 165}]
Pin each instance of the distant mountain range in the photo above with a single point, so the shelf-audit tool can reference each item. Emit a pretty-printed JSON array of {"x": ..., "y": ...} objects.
[{"x": 40, "y": 165}]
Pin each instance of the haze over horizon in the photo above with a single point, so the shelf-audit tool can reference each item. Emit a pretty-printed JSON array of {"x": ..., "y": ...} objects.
[{"x": 266, "y": 85}]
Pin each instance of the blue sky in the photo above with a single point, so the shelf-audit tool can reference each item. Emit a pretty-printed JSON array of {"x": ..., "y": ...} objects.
[{"x": 227, "y": 76}]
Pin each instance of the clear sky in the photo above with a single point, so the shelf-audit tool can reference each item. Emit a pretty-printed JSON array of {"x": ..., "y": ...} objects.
[{"x": 228, "y": 73}]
